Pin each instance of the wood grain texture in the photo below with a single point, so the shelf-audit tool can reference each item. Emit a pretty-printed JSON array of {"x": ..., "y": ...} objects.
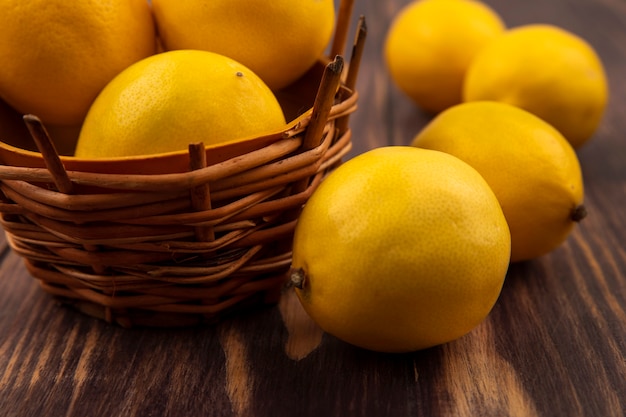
[{"x": 553, "y": 346}]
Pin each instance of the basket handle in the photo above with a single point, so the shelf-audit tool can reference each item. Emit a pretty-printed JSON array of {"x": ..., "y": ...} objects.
[
  {"x": 353, "y": 69},
  {"x": 200, "y": 195},
  {"x": 55, "y": 167},
  {"x": 356, "y": 54},
  {"x": 342, "y": 26},
  {"x": 48, "y": 151},
  {"x": 324, "y": 101}
]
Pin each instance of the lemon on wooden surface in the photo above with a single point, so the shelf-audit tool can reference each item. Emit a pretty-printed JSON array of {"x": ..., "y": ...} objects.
[
  {"x": 531, "y": 167},
  {"x": 279, "y": 40},
  {"x": 430, "y": 45},
  {"x": 169, "y": 100},
  {"x": 400, "y": 249},
  {"x": 57, "y": 55},
  {"x": 548, "y": 71}
]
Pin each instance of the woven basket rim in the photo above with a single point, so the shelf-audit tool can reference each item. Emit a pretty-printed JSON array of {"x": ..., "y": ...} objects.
[
  {"x": 37, "y": 172},
  {"x": 29, "y": 165}
]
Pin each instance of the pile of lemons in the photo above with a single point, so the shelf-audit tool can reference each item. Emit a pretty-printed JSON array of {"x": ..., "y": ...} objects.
[
  {"x": 140, "y": 77},
  {"x": 443, "y": 53},
  {"x": 407, "y": 247}
]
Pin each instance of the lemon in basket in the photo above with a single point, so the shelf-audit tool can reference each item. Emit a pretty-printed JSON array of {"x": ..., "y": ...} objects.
[
  {"x": 548, "y": 71},
  {"x": 169, "y": 100},
  {"x": 400, "y": 249},
  {"x": 430, "y": 45},
  {"x": 279, "y": 40},
  {"x": 531, "y": 167},
  {"x": 57, "y": 55}
]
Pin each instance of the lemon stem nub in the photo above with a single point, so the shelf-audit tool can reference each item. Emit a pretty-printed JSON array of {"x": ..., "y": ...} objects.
[
  {"x": 297, "y": 278},
  {"x": 578, "y": 213}
]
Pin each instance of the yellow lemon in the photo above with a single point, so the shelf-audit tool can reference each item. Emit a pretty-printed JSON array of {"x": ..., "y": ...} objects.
[
  {"x": 548, "y": 71},
  {"x": 279, "y": 40},
  {"x": 164, "y": 102},
  {"x": 57, "y": 55},
  {"x": 430, "y": 45},
  {"x": 530, "y": 166},
  {"x": 400, "y": 249}
]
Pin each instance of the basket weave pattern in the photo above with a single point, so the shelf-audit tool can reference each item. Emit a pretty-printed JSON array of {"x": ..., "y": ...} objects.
[
  {"x": 177, "y": 248},
  {"x": 136, "y": 242},
  {"x": 139, "y": 242}
]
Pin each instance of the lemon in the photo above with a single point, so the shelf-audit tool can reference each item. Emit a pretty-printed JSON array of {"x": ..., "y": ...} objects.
[
  {"x": 548, "y": 71},
  {"x": 279, "y": 40},
  {"x": 169, "y": 100},
  {"x": 531, "y": 167},
  {"x": 430, "y": 45},
  {"x": 400, "y": 249},
  {"x": 57, "y": 55}
]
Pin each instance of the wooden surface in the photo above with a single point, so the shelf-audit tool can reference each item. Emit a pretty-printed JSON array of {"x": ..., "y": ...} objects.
[{"x": 554, "y": 344}]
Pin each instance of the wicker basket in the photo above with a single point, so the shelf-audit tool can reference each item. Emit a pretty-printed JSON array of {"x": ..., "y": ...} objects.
[{"x": 182, "y": 238}]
